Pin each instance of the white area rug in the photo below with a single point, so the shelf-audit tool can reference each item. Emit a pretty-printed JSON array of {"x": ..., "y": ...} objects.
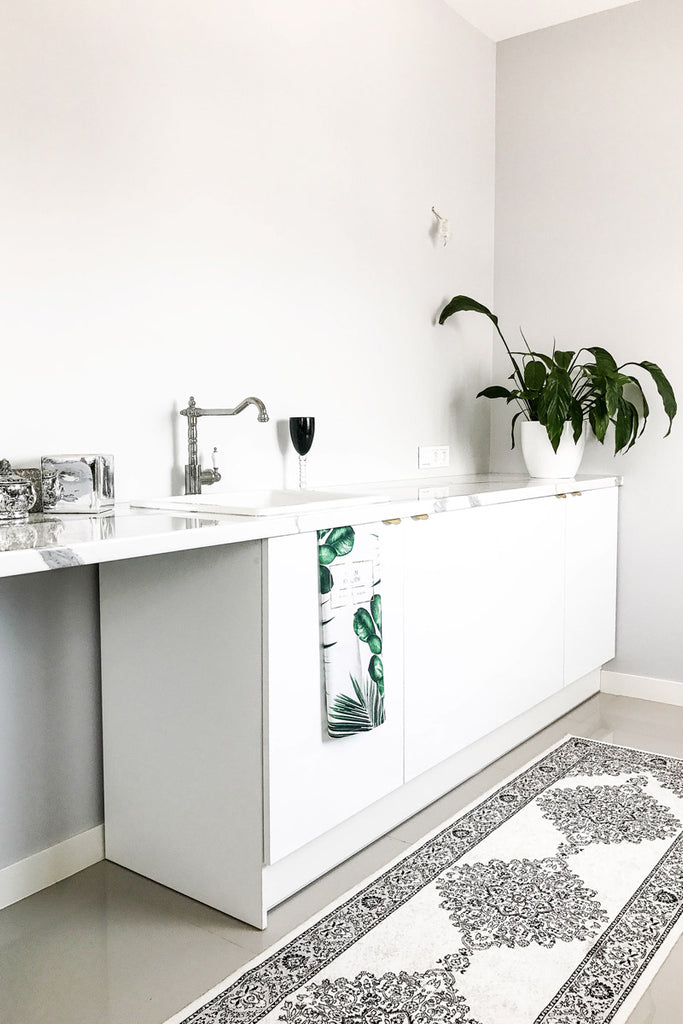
[{"x": 552, "y": 900}]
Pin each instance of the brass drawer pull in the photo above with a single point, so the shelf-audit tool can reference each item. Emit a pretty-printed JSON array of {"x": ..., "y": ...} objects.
[{"x": 391, "y": 522}]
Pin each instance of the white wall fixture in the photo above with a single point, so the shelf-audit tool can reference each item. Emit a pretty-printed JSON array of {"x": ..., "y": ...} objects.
[
  {"x": 435, "y": 456},
  {"x": 443, "y": 230}
]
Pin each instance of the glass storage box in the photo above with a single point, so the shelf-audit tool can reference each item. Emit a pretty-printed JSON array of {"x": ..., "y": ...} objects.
[{"x": 78, "y": 483}]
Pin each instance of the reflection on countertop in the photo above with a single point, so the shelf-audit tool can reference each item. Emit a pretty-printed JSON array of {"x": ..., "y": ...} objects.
[{"x": 49, "y": 531}]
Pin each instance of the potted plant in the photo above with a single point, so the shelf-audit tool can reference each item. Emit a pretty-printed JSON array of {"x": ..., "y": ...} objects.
[{"x": 561, "y": 393}]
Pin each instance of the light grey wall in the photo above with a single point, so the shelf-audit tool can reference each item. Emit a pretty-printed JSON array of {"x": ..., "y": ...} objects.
[
  {"x": 50, "y": 720},
  {"x": 222, "y": 199},
  {"x": 589, "y": 249}
]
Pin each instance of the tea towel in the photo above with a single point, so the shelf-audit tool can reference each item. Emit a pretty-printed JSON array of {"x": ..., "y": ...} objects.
[{"x": 351, "y": 628}]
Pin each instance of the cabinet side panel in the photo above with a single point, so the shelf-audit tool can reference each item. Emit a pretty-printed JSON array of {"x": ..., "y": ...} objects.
[
  {"x": 182, "y": 722},
  {"x": 591, "y": 581}
]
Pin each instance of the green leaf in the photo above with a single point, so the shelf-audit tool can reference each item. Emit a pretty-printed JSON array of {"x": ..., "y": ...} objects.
[
  {"x": 623, "y": 425},
  {"x": 603, "y": 360},
  {"x": 554, "y": 403},
  {"x": 376, "y": 610},
  {"x": 326, "y": 581},
  {"x": 375, "y": 644},
  {"x": 376, "y": 671},
  {"x": 643, "y": 400},
  {"x": 576, "y": 415},
  {"x": 341, "y": 539},
  {"x": 347, "y": 716},
  {"x": 564, "y": 359},
  {"x": 599, "y": 419},
  {"x": 326, "y": 554},
  {"x": 634, "y": 426},
  {"x": 496, "y": 391},
  {"x": 464, "y": 304},
  {"x": 363, "y": 626},
  {"x": 534, "y": 375},
  {"x": 666, "y": 392},
  {"x": 613, "y": 390}
]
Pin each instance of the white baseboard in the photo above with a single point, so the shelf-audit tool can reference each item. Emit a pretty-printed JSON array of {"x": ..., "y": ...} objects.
[
  {"x": 664, "y": 691},
  {"x": 52, "y": 865}
]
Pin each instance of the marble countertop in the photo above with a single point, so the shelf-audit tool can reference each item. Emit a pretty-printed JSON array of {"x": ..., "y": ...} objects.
[{"x": 46, "y": 542}]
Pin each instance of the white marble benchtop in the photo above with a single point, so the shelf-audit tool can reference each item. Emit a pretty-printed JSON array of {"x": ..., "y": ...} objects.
[{"x": 54, "y": 542}]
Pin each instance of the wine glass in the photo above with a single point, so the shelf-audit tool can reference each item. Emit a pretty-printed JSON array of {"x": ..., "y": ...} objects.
[{"x": 301, "y": 431}]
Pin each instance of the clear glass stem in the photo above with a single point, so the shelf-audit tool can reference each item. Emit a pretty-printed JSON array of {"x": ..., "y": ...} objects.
[{"x": 302, "y": 473}]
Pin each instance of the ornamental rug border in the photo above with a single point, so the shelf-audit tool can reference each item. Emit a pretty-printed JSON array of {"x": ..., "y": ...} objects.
[{"x": 646, "y": 924}]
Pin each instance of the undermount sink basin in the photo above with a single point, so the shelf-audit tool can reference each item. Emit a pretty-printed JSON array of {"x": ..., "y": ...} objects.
[{"x": 258, "y": 503}]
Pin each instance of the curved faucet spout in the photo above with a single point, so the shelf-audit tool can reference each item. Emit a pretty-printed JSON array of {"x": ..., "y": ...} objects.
[
  {"x": 262, "y": 411},
  {"x": 194, "y": 410}
]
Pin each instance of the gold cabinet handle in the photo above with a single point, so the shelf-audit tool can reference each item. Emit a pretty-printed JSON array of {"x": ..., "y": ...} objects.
[
  {"x": 420, "y": 518},
  {"x": 391, "y": 522}
]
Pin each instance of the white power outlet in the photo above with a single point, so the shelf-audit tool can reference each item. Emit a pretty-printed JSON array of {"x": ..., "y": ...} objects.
[{"x": 435, "y": 456}]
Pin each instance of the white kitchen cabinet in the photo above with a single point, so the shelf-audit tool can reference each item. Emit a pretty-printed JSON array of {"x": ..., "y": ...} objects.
[
  {"x": 220, "y": 779},
  {"x": 314, "y": 782},
  {"x": 504, "y": 605},
  {"x": 590, "y": 580},
  {"x": 483, "y": 622}
]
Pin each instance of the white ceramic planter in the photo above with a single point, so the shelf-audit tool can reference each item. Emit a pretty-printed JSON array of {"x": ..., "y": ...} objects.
[{"x": 542, "y": 461}]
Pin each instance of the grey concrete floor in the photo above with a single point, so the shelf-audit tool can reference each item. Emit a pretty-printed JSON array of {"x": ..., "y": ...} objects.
[{"x": 109, "y": 947}]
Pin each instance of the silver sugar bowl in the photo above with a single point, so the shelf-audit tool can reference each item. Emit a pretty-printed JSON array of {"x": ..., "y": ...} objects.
[{"x": 17, "y": 494}]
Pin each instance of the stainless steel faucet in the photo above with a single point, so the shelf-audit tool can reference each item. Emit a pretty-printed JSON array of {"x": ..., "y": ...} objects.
[{"x": 195, "y": 476}]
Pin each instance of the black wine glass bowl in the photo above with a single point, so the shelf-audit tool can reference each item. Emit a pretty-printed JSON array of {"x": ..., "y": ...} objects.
[{"x": 301, "y": 431}]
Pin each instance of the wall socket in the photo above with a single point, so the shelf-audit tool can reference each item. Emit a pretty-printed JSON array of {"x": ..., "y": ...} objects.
[{"x": 435, "y": 456}]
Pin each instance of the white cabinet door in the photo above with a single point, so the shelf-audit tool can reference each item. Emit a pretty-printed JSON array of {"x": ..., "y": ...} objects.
[
  {"x": 313, "y": 782},
  {"x": 483, "y": 614},
  {"x": 591, "y": 580}
]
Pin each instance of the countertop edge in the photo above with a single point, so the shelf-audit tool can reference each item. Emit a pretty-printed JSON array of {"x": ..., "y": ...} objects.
[{"x": 92, "y": 540}]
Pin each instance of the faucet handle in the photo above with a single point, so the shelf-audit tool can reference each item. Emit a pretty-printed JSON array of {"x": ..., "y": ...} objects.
[{"x": 211, "y": 476}]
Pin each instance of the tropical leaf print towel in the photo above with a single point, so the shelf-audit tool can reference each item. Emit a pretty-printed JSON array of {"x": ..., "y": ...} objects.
[{"x": 351, "y": 618}]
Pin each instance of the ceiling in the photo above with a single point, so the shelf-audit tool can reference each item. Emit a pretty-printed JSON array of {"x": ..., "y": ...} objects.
[{"x": 501, "y": 19}]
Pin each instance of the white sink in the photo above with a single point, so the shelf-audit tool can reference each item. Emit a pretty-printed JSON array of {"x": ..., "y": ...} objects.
[{"x": 259, "y": 503}]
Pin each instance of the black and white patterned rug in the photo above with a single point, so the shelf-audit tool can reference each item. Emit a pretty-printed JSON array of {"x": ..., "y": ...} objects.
[{"x": 552, "y": 900}]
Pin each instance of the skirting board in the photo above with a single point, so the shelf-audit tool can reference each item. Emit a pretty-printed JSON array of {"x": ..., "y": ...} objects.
[
  {"x": 664, "y": 691},
  {"x": 52, "y": 865}
]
